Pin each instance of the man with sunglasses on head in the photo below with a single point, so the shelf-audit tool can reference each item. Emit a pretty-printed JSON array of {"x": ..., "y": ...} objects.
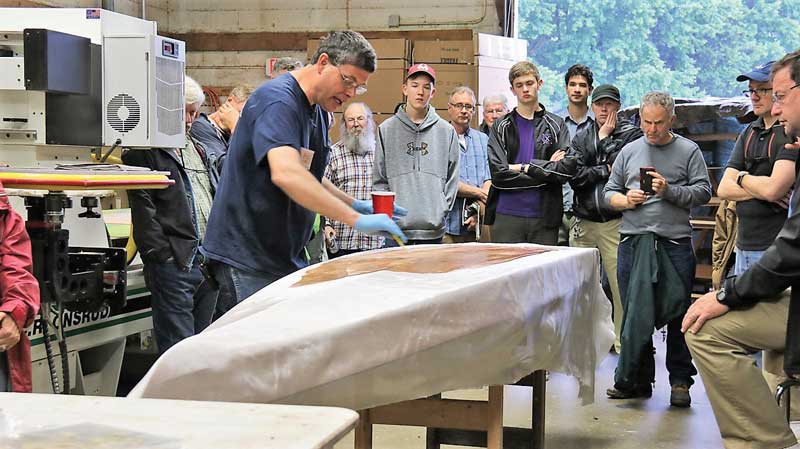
[
  {"x": 265, "y": 206},
  {"x": 760, "y": 173}
]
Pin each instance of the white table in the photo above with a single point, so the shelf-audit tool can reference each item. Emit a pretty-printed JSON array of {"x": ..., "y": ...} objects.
[{"x": 165, "y": 424}]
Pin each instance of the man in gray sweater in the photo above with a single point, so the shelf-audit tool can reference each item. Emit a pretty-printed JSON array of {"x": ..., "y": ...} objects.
[
  {"x": 416, "y": 157},
  {"x": 655, "y": 181}
]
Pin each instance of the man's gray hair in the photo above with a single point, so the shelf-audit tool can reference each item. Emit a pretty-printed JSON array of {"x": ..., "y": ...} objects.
[
  {"x": 347, "y": 47},
  {"x": 657, "y": 98},
  {"x": 367, "y": 115},
  {"x": 493, "y": 99},
  {"x": 365, "y": 141},
  {"x": 193, "y": 92},
  {"x": 288, "y": 64},
  {"x": 242, "y": 93},
  {"x": 463, "y": 90}
]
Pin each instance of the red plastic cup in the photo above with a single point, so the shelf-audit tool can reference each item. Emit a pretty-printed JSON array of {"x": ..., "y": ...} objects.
[{"x": 383, "y": 203}]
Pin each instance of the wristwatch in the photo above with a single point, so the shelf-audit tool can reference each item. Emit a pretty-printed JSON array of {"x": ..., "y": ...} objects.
[
  {"x": 721, "y": 296},
  {"x": 740, "y": 177}
]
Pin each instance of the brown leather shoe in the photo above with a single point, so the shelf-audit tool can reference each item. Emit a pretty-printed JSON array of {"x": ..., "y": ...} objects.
[
  {"x": 680, "y": 396},
  {"x": 638, "y": 391}
]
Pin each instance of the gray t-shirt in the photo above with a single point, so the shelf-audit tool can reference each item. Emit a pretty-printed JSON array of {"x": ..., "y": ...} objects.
[{"x": 681, "y": 163}]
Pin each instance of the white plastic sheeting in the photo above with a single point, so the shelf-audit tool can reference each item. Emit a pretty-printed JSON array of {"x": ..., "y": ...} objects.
[{"x": 384, "y": 337}]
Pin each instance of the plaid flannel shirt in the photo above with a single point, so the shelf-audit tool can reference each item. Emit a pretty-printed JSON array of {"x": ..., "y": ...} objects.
[{"x": 352, "y": 173}]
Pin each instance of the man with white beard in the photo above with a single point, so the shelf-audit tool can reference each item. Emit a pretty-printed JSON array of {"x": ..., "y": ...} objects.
[{"x": 350, "y": 169}]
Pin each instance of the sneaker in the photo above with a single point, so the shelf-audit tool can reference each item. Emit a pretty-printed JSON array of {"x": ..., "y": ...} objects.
[
  {"x": 680, "y": 396},
  {"x": 638, "y": 391}
]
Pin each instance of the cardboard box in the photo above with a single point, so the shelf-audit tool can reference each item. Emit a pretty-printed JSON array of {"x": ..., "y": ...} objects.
[
  {"x": 384, "y": 48},
  {"x": 444, "y": 52},
  {"x": 450, "y": 76},
  {"x": 501, "y": 47},
  {"x": 492, "y": 74},
  {"x": 384, "y": 88}
]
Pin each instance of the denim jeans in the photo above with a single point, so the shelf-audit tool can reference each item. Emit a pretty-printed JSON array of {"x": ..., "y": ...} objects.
[
  {"x": 679, "y": 360},
  {"x": 239, "y": 284},
  {"x": 182, "y": 301},
  {"x": 745, "y": 259}
]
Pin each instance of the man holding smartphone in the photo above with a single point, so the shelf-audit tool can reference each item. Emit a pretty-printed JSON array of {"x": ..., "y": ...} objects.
[
  {"x": 655, "y": 234},
  {"x": 463, "y": 221}
]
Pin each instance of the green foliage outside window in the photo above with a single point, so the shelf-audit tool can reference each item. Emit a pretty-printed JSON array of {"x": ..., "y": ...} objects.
[{"x": 689, "y": 48}]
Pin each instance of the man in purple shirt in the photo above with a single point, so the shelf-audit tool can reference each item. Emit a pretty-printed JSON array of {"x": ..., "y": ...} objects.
[{"x": 528, "y": 164}]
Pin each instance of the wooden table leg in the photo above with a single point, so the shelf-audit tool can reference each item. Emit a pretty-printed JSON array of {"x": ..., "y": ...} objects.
[
  {"x": 432, "y": 434},
  {"x": 537, "y": 426},
  {"x": 363, "y": 437},
  {"x": 494, "y": 434}
]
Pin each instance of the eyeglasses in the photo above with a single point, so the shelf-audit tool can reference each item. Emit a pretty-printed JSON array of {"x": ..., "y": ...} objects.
[
  {"x": 460, "y": 106},
  {"x": 758, "y": 92},
  {"x": 350, "y": 83},
  {"x": 779, "y": 98},
  {"x": 352, "y": 120},
  {"x": 494, "y": 111}
]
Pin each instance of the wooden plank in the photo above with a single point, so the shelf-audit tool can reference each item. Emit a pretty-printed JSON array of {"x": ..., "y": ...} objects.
[
  {"x": 703, "y": 272},
  {"x": 296, "y": 41},
  {"x": 538, "y": 408},
  {"x": 363, "y": 436},
  {"x": 494, "y": 433},
  {"x": 702, "y": 224},
  {"x": 446, "y": 413}
]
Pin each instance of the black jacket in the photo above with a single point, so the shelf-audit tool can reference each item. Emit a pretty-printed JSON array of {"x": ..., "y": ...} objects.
[
  {"x": 594, "y": 157},
  {"x": 551, "y": 134},
  {"x": 778, "y": 269},
  {"x": 214, "y": 144},
  {"x": 163, "y": 219}
]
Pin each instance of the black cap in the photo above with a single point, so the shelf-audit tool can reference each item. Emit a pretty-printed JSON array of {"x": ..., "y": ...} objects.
[{"x": 606, "y": 91}]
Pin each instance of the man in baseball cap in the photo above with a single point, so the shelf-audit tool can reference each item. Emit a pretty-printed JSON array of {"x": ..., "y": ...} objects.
[
  {"x": 417, "y": 158},
  {"x": 596, "y": 224},
  {"x": 606, "y": 91},
  {"x": 759, "y": 74}
]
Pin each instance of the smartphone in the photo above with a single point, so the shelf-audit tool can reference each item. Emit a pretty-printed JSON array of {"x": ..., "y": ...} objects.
[{"x": 646, "y": 180}]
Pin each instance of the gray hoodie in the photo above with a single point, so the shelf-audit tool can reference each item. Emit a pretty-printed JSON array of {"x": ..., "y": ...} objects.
[{"x": 419, "y": 163}]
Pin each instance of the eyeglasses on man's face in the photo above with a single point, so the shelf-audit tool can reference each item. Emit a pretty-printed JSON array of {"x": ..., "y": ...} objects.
[
  {"x": 460, "y": 106},
  {"x": 350, "y": 82},
  {"x": 780, "y": 97},
  {"x": 760, "y": 92}
]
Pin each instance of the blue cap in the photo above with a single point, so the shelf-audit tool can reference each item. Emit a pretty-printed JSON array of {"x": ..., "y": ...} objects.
[{"x": 759, "y": 74}]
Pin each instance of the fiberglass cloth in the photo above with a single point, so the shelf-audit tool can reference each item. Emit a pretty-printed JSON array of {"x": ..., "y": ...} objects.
[{"x": 372, "y": 339}]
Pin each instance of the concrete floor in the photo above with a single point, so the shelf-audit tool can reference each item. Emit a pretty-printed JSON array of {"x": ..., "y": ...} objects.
[{"x": 621, "y": 424}]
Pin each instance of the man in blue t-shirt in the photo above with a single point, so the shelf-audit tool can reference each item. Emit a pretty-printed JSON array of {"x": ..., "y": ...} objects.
[{"x": 266, "y": 202}]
